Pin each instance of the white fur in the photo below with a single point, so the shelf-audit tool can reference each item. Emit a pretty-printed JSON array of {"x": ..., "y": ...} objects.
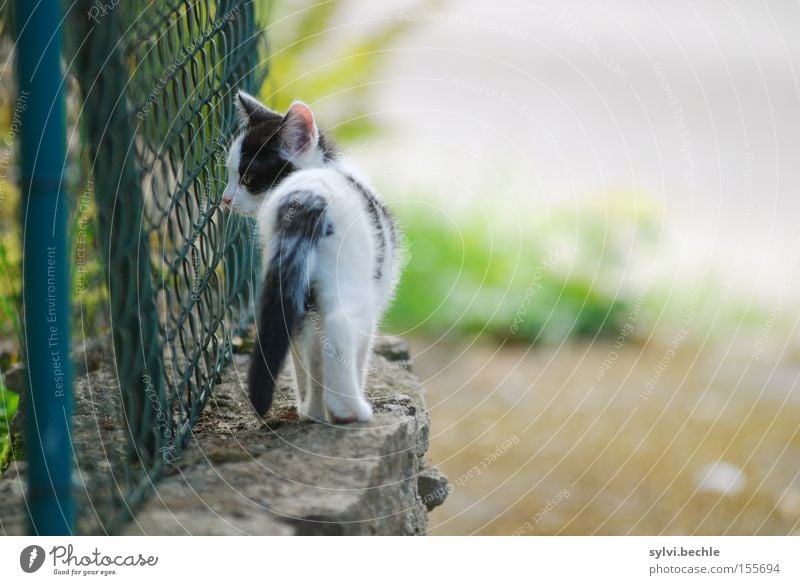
[{"x": 331, "y": 350}]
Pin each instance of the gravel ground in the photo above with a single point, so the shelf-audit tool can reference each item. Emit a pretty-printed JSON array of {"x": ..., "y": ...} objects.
[{"x": 535, "y": 441}]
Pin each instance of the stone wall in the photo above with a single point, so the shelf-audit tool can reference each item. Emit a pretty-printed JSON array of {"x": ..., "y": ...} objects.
[{"x": 241, "y": 475}]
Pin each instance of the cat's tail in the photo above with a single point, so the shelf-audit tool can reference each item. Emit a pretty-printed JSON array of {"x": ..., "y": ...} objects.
[{"x": 300, "y": 223}]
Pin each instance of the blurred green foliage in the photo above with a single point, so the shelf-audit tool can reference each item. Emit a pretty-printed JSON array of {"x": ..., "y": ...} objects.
[
  {"x": 559, "y": 276},
  {"x": 89, "y": 293},
  {"x": 302, "y": 31},
  {"x": 8, "y": 406},
  {"x": 10, "y": 299}
]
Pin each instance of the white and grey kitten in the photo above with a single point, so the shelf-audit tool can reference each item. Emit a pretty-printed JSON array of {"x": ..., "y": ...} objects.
[{"x": 331, "y": 260}]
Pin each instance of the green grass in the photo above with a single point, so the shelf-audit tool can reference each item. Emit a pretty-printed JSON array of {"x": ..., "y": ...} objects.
[{"x": 564, "y": 275}]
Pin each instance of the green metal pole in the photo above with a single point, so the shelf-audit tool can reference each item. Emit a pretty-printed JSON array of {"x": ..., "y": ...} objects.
[{"x": 45, "y": 266}]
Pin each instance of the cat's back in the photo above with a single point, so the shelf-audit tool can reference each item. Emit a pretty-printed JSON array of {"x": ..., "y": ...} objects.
[
  {"x": 336, "y": 185},
  {"x": 326, "y": 182},
  {"x": 343, "y": 200}
]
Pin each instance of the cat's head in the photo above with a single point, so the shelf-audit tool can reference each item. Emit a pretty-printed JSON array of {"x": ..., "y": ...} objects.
[{"x": 269, "y": 148}]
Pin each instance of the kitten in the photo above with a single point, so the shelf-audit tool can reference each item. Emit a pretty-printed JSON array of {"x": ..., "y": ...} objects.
[{"x": 331, "y": 260}]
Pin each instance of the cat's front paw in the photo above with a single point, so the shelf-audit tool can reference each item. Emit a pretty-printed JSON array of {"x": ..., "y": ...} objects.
[{"x": 346, "y": 409}]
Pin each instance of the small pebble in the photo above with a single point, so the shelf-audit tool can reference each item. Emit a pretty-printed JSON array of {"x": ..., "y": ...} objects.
[
  {"x": 721, "y": 478},
  {"x": 789, "y": 505}
]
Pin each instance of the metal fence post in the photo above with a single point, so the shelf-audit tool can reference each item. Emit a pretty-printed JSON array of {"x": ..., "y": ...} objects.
[{"x": 45, "y": 266}]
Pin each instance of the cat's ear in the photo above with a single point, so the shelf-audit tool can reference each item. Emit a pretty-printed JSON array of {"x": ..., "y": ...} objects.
[
  {"x": 300, "y": 133},
  {"x": 250, "y": 109}
]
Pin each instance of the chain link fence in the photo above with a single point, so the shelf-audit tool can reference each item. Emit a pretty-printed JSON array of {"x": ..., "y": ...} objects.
[{"x": 156, "y": 86}]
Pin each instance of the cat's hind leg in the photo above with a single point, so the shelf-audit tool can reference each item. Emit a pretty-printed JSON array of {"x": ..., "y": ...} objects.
[
  {"x": 346, "y": 334},
  {"x": 363, "y": 357},
  {"x": 313, "y": 407},
  {"x": 308, "y": 372}
]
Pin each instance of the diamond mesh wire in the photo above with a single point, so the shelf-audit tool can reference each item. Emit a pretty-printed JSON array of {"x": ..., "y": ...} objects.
[{"x": 157, "y": 83}]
